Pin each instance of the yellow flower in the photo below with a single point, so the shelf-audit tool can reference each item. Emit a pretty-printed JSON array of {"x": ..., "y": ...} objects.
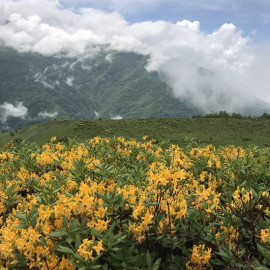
[
  {"x": 147, "y": 219},
  {"x": 265, "y": 235},
  {"x": 99, "y": 247},
  {"x": 267, "y": 211},
  {"x": 137, "y": 212},
  {"x": 85, "y": 249},
  {"x": 101, "y": 225},
  {"x": 199, "y": 258}
]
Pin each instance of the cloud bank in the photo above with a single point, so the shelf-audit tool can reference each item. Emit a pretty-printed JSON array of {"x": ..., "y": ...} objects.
[
  {"x": 220, "y": 70},
  {"x": 9, "y": 110}
]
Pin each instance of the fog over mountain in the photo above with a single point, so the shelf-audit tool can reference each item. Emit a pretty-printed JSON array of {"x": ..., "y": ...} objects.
[{"x": 222, "y": 70}]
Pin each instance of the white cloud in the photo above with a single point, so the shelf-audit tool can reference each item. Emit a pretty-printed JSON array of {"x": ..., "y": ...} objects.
[
  {"x": 85, "y": 67},
  {"x": 9, "y": 110},
  {"x": 97, "y": 115},
  {"x": 109, "y": 57},
  {"x": 117, "y": 117},
  {"x": 194, "y": 26},
  {"x": 42, "y": 79},
  {"x": 203, "y": 67},
  {"x": 47, "y": 115},
  {"x": 69, "y": 81}
]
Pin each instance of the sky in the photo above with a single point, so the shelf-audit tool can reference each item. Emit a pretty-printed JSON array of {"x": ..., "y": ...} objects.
[
  {"x": 252, "y": 17},
  {"x": 205, "y": 49}
]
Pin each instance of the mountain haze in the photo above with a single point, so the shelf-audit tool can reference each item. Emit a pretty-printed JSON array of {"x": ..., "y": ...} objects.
[{"x": 104, "y": 84}]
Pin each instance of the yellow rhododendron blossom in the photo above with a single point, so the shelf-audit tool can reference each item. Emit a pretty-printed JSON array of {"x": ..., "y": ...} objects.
[{"x": 199, "y": 258}]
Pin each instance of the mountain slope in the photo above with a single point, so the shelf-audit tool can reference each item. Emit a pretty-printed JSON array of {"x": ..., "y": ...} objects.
[{"x": 104, "y": 86}]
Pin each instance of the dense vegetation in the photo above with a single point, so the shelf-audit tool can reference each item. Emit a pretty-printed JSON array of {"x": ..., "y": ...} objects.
[
  {"x": 217, "y": 131},
  {"x": 117, "y": 204}
]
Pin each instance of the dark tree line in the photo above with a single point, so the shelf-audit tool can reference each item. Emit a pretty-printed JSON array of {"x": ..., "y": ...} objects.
[{"x": 224, "y": 114}]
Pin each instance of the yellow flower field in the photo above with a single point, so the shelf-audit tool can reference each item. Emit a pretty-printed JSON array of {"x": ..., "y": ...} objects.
[{"x": 121, "y": 204}]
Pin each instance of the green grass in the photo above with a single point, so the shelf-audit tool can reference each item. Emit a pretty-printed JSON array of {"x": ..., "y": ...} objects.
[{"x": 205, "y": 130}]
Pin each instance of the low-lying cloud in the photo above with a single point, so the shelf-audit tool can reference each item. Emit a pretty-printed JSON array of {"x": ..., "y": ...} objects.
[
  {"x": 18, "y": 110},
  {"x": 9, "y": 110},
  {"x": 217, "y": 71},
  {"x": 69, "y": 81},
  {"x": 46, "y": 114},
  {"x": 117, "y": 117}
]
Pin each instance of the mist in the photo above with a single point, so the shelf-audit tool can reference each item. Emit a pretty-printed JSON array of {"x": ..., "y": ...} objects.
[
  {"x": 9, "y": 110},
  {"x": 45, "y": 115},
  {"x": 222, "y": 70},
  {"x": 18, "y": 110}
]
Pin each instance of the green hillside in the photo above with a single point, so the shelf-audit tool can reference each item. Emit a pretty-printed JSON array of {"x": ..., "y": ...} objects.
[
  {"x": 219, "y": 131},
  {"x": 103, "y": 86}
]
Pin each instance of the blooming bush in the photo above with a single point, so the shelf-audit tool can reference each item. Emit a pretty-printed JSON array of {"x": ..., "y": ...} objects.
[{"x": 117, "y": 204}]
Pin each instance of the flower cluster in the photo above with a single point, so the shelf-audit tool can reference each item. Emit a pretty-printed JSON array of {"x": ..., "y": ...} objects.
[
  {"x": 199, "y": 258},
  {"x": 116, "y": 202}
]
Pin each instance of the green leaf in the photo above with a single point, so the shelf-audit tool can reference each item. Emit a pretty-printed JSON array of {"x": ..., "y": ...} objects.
[
  {"x": 20, "y": 259},
  {"x": 261, "y": 268},
  {"x": 156, "y": 265},
  {"x": 96, "y": 233},
  {"x": 148, "y": 259},
  {"x": 65, "y": 221},
  {"x": 95, "y": 267},
  {"x": 76, "y": 256},
  {"x": 83, "y": 223},
  {"x": 112, "y": 227},
  {"x": 242, "y": 253},
  {"x": 20, "y": 216},
  {"x": 65, "y": 250},
  {"x": 74, "y": 225},
  {"x": 57, "y": 234},
  {"x": 99, "y": 166},
  {"x": 225, "y": 254},
  {"x": 56, "y": 190},
  {"x": 264, "y": 252},
  {"x": 117, "y": 256},
  {"x": 69, "y": 240},
  {"x": 20, "y": 226},
  {"x": 104, "y": 198},
  {"x": 77, "y": 242},
  {"x": 119, "y": 240},
  {"x": 39, "y": 198}
]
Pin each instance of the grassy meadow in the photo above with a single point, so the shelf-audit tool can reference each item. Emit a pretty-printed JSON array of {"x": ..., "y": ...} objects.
[{"x": 216, "y": 131}]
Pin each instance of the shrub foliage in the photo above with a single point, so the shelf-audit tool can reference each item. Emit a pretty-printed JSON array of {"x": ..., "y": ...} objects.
[{"x": 118, "y": 204}]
